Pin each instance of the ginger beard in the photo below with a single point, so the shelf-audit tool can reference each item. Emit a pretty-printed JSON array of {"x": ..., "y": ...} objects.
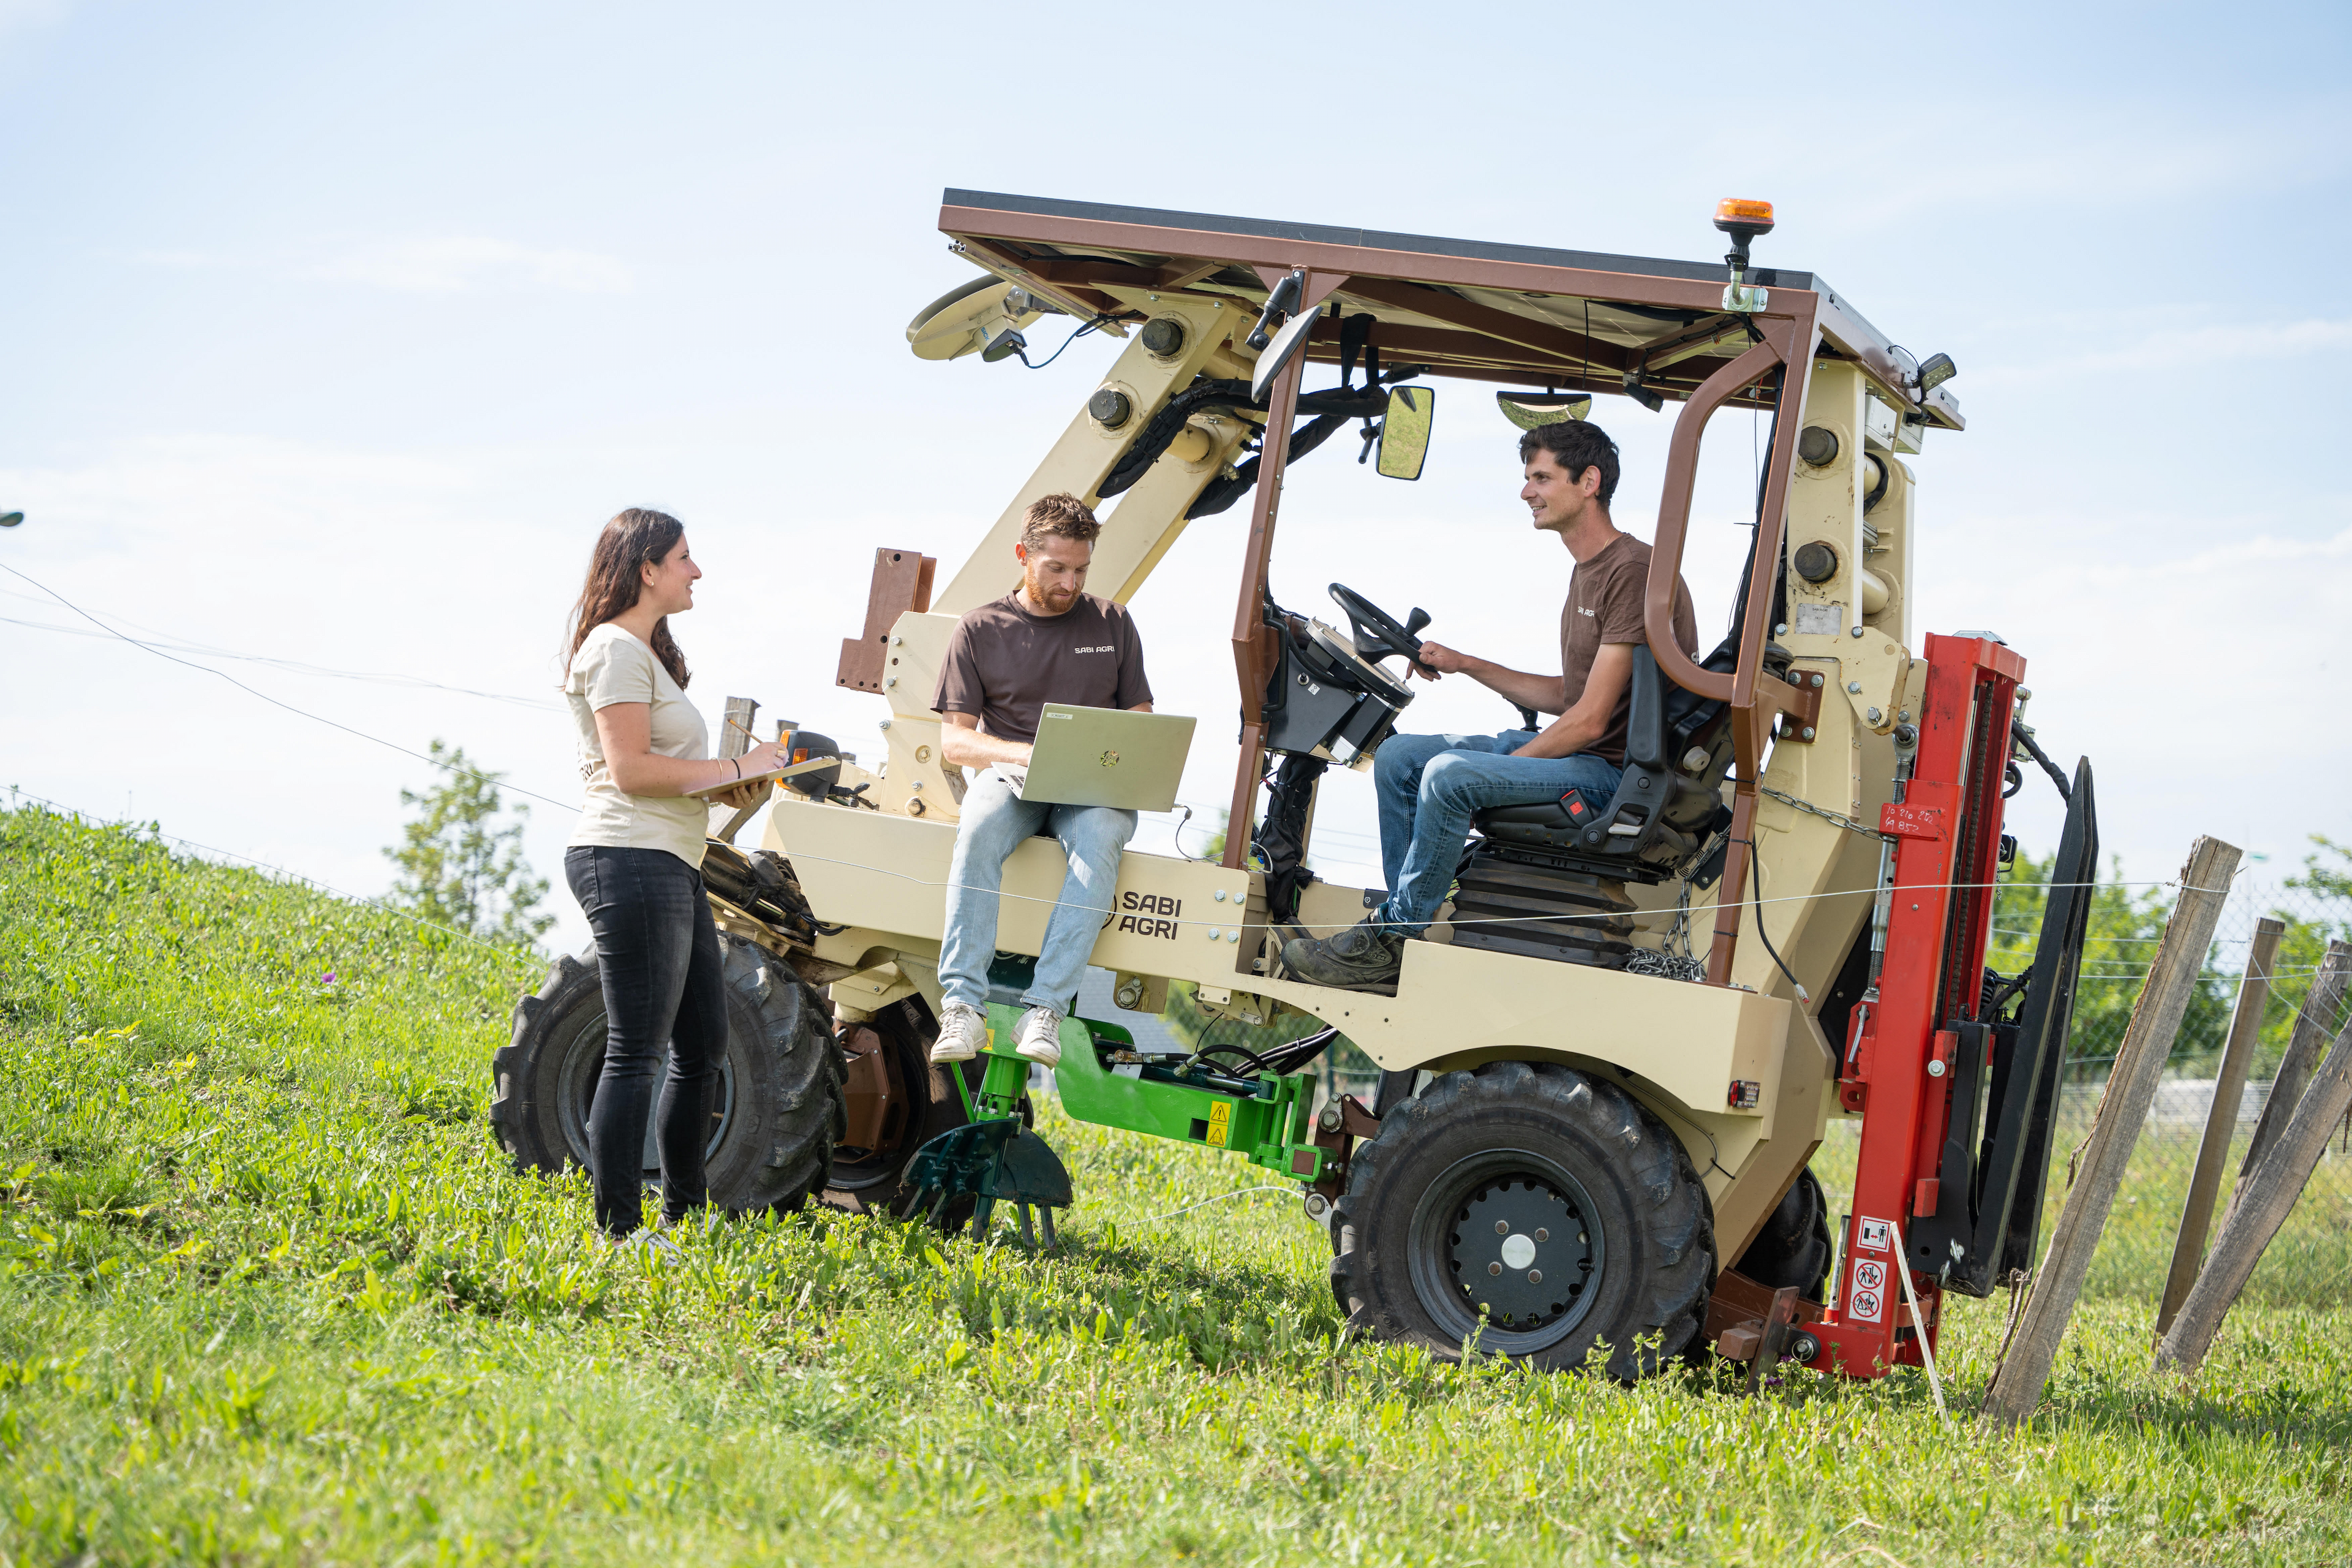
[{"x": 1053, "y": 572}]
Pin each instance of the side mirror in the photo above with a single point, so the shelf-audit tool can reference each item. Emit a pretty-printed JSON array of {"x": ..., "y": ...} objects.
[{"x": 1404, "y": 431}]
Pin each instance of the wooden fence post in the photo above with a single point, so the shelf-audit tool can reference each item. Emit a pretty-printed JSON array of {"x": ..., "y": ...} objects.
[
  {"x": 2261, "y": 1208},
  {"x": 2323, "y": 1009},
  {"x": 2123, "y": 1111},
  {"x": 2221, "y": 1121}
]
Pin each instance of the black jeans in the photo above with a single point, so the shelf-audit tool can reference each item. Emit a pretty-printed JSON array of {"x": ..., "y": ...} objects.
[{"x": 658, "y": 953}]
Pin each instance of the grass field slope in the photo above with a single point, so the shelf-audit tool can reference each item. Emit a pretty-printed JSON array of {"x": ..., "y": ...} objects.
[{"x": 267, "y": 1294}]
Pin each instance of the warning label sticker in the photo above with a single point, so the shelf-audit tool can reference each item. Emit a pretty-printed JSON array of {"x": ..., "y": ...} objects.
[
  {"x": 1870, "y": 1236},
  {"x": 1869, "y": 1275},
  {"x": 1864, "y": 1306},
  {"x": 1221, "y": 1122}
]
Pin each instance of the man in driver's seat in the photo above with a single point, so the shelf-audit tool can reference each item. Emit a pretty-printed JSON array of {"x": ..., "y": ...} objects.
[{"x": 1429, "y": 787}]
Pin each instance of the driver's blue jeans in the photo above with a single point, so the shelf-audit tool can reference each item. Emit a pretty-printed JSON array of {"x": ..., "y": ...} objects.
[{"x": 1429, "y": 787}]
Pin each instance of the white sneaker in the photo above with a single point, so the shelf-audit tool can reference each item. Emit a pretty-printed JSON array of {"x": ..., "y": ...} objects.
[
  {"x": 642, "y": 1243},
  {"x": 963, "y": 1033},
  {"x": 1038, "y": 1038}
]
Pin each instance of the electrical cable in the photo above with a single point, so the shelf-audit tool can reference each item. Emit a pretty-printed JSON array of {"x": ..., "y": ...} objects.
[
  {"x": 1057, "y": 353},
  {"x": 1755, "y": 887},
  {"x": 1176, "y": 837},
  {"x": 389, "y": 745},
  {"x": 2023, "y": 737},
  {"x": 204, "y": 650},
  {"x": 1249, "y": 1057}
]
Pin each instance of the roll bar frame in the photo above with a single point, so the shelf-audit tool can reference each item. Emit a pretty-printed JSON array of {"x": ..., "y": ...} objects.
[{"x": 1795, "y": 324}]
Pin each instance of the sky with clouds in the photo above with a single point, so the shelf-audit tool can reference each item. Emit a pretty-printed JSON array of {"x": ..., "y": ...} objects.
[{"x": 336, "y": 331}]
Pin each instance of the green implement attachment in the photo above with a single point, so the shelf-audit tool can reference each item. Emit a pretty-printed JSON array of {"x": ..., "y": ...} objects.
[{"x": 994, "y": 1159}]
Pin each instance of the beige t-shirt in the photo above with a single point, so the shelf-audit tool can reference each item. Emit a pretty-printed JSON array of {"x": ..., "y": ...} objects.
[{"x": 613, "y": 667}]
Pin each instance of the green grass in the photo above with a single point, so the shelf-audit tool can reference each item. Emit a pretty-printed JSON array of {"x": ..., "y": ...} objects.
[{"x": 267, "y": 1294}]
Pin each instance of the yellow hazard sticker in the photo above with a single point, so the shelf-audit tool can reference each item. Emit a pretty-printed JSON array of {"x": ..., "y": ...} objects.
[{"x": 1221, "y": 1122}]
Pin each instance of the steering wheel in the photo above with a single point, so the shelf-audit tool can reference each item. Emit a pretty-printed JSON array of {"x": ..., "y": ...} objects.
[{"x": 1377, "y": 634}]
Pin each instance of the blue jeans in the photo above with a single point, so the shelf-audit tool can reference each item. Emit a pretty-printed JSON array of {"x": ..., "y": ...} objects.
[
  {"x": 658, "y": 959},
  {"x": 1429, "y": 787},
  {"x": 996, "y": 821}
]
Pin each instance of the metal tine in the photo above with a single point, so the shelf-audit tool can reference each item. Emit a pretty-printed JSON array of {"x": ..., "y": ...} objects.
[
  {"x": 1779, "y": 1321},
  {"x": 1045, "y": 1218},
  {"x": 1028, "y": 1236}
]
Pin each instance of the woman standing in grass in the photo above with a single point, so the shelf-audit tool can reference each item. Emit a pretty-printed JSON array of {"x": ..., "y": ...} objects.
[{"x": 635, "y": 864}]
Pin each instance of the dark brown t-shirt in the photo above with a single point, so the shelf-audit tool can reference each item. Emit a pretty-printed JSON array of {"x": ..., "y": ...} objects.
[
  {"x": 1604, "y": 605},
  {"x": 1003, "y": 664}
]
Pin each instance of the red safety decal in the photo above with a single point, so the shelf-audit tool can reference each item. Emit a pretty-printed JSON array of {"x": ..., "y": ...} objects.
[
  {"x": 1911, "y": 821},
  {"x": 1866, "y": 1301}
]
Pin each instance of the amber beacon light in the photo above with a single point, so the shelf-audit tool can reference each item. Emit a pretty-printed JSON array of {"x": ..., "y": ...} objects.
[{"x": 1743, "y": 220}]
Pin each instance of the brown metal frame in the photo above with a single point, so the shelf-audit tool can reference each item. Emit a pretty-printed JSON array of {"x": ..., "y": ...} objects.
[{"x": 1481, "y": 342}]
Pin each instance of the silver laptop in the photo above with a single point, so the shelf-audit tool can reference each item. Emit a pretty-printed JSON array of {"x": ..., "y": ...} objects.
[{"x": 1108, "y": 756}]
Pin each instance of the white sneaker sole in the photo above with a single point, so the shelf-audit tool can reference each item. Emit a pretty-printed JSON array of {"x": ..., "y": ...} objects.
[
  {"x": 1044, "y": 1056},
  {"x": 944, "y": 1053}
]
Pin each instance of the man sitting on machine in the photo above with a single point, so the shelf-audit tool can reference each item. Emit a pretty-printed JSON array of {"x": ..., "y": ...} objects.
[
  {"x": 1429, "y": 786},
  {"x": 1046, "y": 641}
]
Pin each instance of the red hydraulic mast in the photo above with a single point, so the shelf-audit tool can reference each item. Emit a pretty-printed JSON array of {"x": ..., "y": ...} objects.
[{"x": 1936, "y": 910}]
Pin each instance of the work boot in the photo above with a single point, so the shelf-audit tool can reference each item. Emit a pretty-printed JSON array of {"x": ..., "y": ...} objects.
[
  {"x": 963, "y": 1033},
  {"x": 1038, "y": 1037},
  {"x": 1365, "y": 957}
]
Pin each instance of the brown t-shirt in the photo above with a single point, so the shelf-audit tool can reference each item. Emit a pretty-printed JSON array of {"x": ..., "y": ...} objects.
[
  {"x": 1003, "y": 664},
  {"x": 1604, "y": 605}
]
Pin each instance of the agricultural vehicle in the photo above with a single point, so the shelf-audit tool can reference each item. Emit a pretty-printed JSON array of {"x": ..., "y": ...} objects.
[{"x": 1591, "y": 1130}]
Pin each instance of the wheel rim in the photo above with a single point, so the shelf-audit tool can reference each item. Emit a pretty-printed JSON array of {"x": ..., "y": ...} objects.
[
  {"x": 583, "y": 1065},
  {"x": 1475, "y": 1241}
]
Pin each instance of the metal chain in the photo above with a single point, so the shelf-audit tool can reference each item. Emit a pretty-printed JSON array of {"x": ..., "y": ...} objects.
[
  {"x": 1678, "y": 934},
  {"x": 1809, "y": 809},
  {"x": 1666, "y": 966},
  {"x": 1671, "y": 959}
]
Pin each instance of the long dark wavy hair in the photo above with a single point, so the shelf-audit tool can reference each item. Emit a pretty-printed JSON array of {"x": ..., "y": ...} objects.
[{"x": 633, "y": 541}]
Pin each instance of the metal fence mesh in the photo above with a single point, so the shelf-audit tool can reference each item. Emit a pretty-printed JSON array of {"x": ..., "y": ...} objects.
[{"x": 2309, "y": 1262}]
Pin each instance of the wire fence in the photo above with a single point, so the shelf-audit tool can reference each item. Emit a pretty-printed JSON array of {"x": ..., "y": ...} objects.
[{"x": 2309, "y": 1262}]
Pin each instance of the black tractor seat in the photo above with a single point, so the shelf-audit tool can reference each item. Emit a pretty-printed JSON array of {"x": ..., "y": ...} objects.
[{"x": 1562, "y": 864}]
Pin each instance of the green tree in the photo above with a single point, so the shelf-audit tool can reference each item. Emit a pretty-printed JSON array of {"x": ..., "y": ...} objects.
[
  {"x": 460, "y": 869},
  {"x": 2333, "y": 882},
  {"x": 2119, "y": 942},
  {"x": 2305, "y": 943}
]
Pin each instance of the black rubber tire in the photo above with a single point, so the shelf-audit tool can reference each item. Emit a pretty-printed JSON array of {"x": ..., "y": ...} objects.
[
  {"x": 1793, "y": 1248},
  {"x": 780, "y": 1104},
  {"x": 1510, "y": 1125},
  {"x": 878, "y": 1184}
]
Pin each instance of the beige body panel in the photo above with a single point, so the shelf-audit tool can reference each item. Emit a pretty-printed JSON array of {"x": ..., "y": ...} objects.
[
  {"x": 1084, "y": 456},
  {"x": 1677, "y": 1047}
]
